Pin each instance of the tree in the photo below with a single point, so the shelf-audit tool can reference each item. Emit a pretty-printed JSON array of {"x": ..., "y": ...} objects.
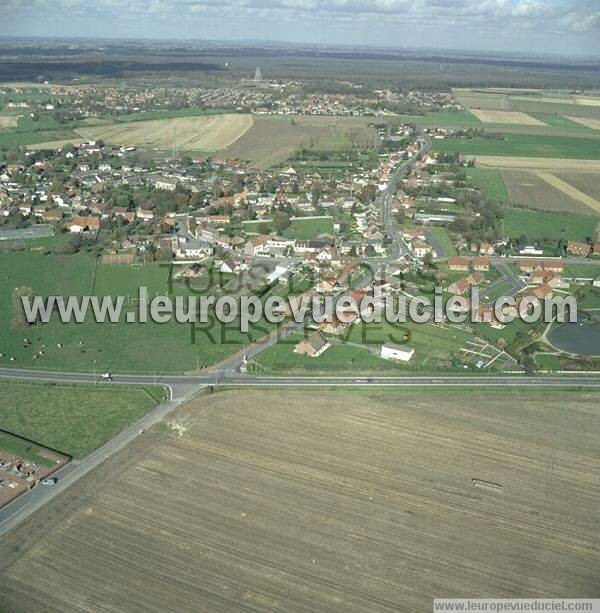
[{"x": 281, "y": 221}]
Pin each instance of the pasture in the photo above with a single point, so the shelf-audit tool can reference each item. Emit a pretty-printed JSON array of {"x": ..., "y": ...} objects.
[
  {"x": 508, "y": 117},
  {"x": 72, "y": 419},
  {"x": 326, "y": 500},
  {"x": 116, "y": 347},
  {"x": 490, "y": 181},
  {"x": 534, "y": 189},
  {"x": 203, "y": 133},
  {"x": 552, "y": 226}
]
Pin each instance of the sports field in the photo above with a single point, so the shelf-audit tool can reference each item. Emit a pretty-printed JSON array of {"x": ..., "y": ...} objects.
[
  {"x": 204, "y": 133},
  {"x": 329, "y": 501},
  {"x": 508, "y": 117}
]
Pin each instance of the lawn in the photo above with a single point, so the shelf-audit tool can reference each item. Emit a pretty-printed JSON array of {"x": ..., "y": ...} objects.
[
  {"x": 536, "y": 225},
  {"x": 71, "y": 419},
  {"x": 440, "y": 234},
  {"x": 523, "y": 145},
  {"x": 490, "y": 181}
]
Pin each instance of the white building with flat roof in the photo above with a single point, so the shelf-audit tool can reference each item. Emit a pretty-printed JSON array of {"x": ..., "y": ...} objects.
[{"x": 391, "y": 351}]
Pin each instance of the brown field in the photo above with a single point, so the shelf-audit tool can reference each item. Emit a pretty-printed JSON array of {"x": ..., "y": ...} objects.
[
  {"x": 272, "y": 139},
  {"x": 535, "y": 190},
  {"x": 204, "y": 133},
  {"x": 508, "y": 117},
  {"x": 532, "y": 163},
  {"x": 570, "y": 191},
  {"x": 326, "y": 501},
  {"x": 594, "y": 124},
  {"x": 476, "y": 100},
  {"x": 8, "y": 121},
  {"x": 587, "y": 182}
]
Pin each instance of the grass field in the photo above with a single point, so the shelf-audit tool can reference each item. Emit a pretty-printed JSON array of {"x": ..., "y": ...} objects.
[
  {"x": 309, "y": 228},
  {"x": 204, "y": 133},
  {"x": 508, "y": 117},
  {"x": 550, "y": 225},
  {"x": 71, "y": 419},
  {"x": 536, "y": 163},
  {"x": 523, "y": 145},
  {"x": 530, "y": 189},
  {"x": 491, "y": 181},
  {"x": 434, "y": 347},
  {"x": 121, "y": 347},
  {"x": 329, "y": 501}
]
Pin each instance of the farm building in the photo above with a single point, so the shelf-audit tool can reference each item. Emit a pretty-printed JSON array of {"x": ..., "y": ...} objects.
[{"x": 391, "y": 351}]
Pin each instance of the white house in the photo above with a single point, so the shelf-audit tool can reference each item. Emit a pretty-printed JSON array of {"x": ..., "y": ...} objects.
[{"x": 391, "y": 351}]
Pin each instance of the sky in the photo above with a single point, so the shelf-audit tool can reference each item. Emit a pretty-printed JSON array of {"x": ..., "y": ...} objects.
[{"x": 563, "y": 27}]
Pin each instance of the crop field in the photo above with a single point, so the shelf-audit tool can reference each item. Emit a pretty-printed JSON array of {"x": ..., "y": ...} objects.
[
  {"x": 72, "y": 419},
  {"x": 571, "y": 191},
  {"x": 552, "y": 226},
  {"x": 329, "y": 501},
  {"x": 8, "y": 121},
  {"x": 483, "y": 100},
  {"x": 537, "y": 163},
  {"x": 587, "y": 182},
  {"x": 204, "y": 133},
  {"x": 594, "y": 124},
  {"x": 523, "y": 145},
  {"x": 114, "y": 347},
  {"x": 533, "y": 189},
  {"x": 554, "y": 106},
  {"x": 508, "y": 117},
  {"x": 272, "y": 139}
]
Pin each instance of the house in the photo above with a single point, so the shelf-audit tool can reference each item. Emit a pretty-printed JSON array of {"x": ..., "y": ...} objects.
[
  {"x": 79, "y": 225},
  {"x": 257, "y": 245},
  {"x": 193, "y": 248},
  {"x": 481, "y": 264},
  {"x": 458, "y": 263},
  {"x": 486, "y": 249},
  {"x": 596, "y": 282},
  {"x": 145, "y": 214},
  {"x": 420, "y": 247},
  {"x": 167, "y": 184},
  {"x": 391, "y": 351},
  {"x": 596, "y": 249},
  {"x": 52, "y": 215},
  {"x": 579, "y": 249},
  {"x": 313, "y": 346},
  {"x": 487, "y": 315}
]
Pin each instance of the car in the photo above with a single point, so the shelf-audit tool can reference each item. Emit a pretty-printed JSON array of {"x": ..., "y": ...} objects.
[
  {"x": 107, "y": 377},
  {"x": 49, "y": 481}
]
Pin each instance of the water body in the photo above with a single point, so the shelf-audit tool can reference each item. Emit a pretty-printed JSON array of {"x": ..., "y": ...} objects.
[{"x": 582, "y": 337}]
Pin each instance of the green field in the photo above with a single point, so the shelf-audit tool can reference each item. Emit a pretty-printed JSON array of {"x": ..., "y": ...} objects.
[
  {"x": 443, "y": 238},
  {"x": 434, "y": 347},
  {"x": 120, "y": 347},
  {"x": 71, "y": 419},
  {"x": 309, "y": 228},
  {"x": 537, "y": 225},
  {"x": 490, "y": 181},
  {"x": 523, "y": 145}
]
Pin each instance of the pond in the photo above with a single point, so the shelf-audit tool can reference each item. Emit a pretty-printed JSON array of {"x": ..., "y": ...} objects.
[{"x": 581, "y": 338}]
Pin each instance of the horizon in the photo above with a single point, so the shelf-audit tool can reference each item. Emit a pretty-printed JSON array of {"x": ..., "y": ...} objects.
[{"x": 548, "y": 27}]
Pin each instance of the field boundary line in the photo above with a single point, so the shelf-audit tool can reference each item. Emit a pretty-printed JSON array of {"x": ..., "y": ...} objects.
[{"x": 569, "y": 190}]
